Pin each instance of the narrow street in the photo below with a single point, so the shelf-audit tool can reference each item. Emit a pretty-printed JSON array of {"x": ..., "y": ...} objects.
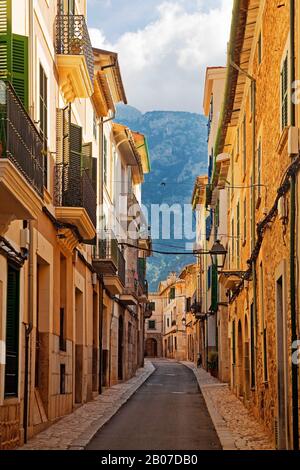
[{"x": 167, "y": 412}]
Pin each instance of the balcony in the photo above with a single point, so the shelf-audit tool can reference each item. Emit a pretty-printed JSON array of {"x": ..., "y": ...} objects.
[
  {"x": 143, "y": 284},
  {"x": 130, "y": 294},
  {"x": 109, "y": 261},
  {"x": 75, "y": 58},
  {"x": 150, "y": 308},
  {"x": 21, "y": 161},
  {"x": 75, "y": 199}
]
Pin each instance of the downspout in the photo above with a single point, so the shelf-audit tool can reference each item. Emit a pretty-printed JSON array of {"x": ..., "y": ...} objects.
[
  {"x": 28, "y": 331},
  {"x": 293, "y": 246}
]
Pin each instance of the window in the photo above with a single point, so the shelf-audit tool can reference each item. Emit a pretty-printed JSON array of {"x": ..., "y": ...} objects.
[
  {"x": 253, "y": 338},
  {"x": 175, "y": 342},
  {"x": 172, "y": 294},
  {"x": 284, "y": 93},
  {"x": 245, "y": 220},
  {"x": 244, "y": 145},
  {"x": 152, "y": 325},
  {"x": 232, "y": 174},
  {"x": 62, "y": 379},
  {"x": 105, "y": 161},
  {"x": 259, "y": 49},
  {"x": 168, "y": 322},
  {"x": 238, "y": 234},
  {"x": 12, "y": 333},
  {"x": 188, "y": 304},
  {"x": 259, "y": 164},
  {"x": 62, "y": 339},
  {"x": 44, "y": 119}
]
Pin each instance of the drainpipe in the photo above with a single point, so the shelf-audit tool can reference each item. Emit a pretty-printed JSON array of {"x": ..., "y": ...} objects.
[
  {"x": 293, "y": 246},
  {"x": 28, "y": 331}
]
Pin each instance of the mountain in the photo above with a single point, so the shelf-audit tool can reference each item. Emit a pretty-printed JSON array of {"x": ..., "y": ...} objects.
[{"x": 178, "y": 150}]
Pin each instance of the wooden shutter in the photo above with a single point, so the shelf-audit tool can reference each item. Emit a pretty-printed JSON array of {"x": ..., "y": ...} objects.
[
  {"x": 5, "y": 39},
  {"x": 13, "y": 54},
  {"x": 12, "y": 332},
  {"x": 20, "y": 67},
  {"x": 89, "y": 164}
]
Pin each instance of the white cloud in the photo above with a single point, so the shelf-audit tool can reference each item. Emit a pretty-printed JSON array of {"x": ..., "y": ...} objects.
[{"x": 163, "y": 65}]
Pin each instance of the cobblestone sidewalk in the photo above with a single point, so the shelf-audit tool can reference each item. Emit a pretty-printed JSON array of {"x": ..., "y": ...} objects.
[
  {"x": 236, "y": 427},
  {"x": 76, "y": 430}
]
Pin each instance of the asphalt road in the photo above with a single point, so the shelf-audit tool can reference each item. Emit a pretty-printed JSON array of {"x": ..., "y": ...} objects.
[{"x": 167, "y": 413}]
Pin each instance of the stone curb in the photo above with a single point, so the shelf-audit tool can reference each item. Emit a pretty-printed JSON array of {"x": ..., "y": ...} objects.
[
  {"x": 225, "y": 435},
  {"x": 86, "y": 437}
]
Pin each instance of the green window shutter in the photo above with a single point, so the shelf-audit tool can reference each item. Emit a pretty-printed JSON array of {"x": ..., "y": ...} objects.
[
  {"x": 89, "y": 164},
  {"x": 20, "y": 67},
  {"x": 12, "y": 332},
  {"x": 72, "y": 172},
  {"x": 5, "y": 39},
  {"x": 214, "y": 289}
]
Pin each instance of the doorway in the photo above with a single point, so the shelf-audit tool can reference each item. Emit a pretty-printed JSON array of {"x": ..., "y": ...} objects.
[
  {"x": 151, "y": 347},
  {"x": 120, "y": 348},
  {"x": 240, "y": 361},
  {"x": 79, "y": 359},
  {"x": 247, "y": 360}
]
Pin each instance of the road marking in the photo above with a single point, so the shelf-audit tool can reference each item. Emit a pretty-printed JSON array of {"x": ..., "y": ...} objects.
[{"x": 179, "y": 393}]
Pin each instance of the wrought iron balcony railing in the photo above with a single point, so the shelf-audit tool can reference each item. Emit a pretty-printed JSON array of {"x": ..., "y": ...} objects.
[
  {"x": 72, "y": 38},
  {"x": 107, "y": 250},
  {"x": 73, "y": 188},
  {"x": 20, "y": 141}
]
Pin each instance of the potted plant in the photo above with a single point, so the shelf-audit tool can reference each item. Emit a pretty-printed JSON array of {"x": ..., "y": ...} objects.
[{"x": 213, "y": 363}]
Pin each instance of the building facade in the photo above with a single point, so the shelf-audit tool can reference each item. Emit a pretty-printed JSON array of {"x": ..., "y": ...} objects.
[
  {"x": 210, "y": 204},
  {"x": 259, "y": 130},
  {"x": 154, "y": 327},
  {"x": 61, "y": 305}
]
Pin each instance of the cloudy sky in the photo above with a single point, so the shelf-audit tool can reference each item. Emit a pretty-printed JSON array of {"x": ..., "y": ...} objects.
[{"x": 164, "y": 47}]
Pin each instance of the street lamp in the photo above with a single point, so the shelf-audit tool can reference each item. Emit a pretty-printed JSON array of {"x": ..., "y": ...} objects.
[{"x": 218, "y": 255}]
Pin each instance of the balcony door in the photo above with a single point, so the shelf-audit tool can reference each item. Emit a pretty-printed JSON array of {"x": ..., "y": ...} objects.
[{"x": 66, "y": 7}]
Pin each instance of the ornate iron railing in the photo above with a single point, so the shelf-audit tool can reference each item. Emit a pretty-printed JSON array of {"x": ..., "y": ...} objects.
[
  {"x": 107, "y": 247},
  {"x": 20, "y": 141},
  {"x": 73, "y": 188},
  {"x": 72, "y": 38}
]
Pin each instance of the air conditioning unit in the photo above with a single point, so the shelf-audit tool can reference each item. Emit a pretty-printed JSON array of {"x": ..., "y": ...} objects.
[
  {"x": 293, "y": 141},
  {"x": 25, "y": 238}
]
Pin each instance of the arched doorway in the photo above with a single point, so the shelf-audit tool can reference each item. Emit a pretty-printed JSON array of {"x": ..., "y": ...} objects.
[
  {"x": 247, "y": 360},
  {"x": 151, "y": 347},
  {"x": 240, "y": 357},
  {"x": 120, "y": 348}
]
